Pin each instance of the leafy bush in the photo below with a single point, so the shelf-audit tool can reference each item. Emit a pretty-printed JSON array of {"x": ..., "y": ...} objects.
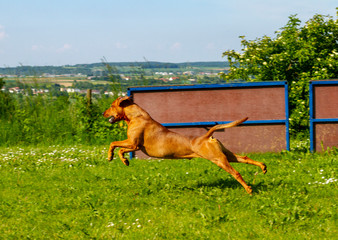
[
  {"x": 297, "y": 54},
  {"x": 6, "y": 102},
  {"x": 55, "y": 120}
]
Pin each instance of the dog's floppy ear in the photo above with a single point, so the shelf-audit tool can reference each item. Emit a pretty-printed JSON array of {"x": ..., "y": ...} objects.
[{"x": 124, "y": 100}]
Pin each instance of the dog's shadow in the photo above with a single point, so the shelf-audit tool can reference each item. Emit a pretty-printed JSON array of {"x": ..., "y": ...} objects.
[
  {"x": 219, "y": 183},
  {"x": 230, "y": 184}
]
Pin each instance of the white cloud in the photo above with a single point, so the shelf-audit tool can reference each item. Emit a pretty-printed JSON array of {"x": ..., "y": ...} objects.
[
  {"x": 65, "y": 47},
  {"x": 159, "y": 46},
  {"x": 176, "y": 46},
  {"x": 3, "y": 34},
  {"x": 120, "y": 45},
  {"x": 35, "y": 47},
  {"x": 210, "y": 46}
]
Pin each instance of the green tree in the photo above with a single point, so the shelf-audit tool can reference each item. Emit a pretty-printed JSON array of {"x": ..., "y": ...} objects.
[
  {"x": 6, "y": 101},
  {"x": 296, "y": 54}
]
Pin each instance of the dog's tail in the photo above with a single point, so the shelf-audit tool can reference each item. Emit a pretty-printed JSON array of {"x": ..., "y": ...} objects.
[{"x": 222, "y": 126}]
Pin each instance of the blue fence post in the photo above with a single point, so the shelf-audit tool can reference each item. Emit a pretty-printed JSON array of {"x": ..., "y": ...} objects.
[{"x": 311, "y": 117}]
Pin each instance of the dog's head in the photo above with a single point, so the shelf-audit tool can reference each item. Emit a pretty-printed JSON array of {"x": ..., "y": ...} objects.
[{"x": 116, "y": 111}]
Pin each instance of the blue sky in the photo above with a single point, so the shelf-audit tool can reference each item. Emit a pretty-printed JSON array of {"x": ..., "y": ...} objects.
[{"x": 60, "y": 32}]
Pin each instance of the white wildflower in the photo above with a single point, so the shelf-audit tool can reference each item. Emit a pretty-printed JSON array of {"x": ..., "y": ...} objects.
[{"x": 110, "y": 224}]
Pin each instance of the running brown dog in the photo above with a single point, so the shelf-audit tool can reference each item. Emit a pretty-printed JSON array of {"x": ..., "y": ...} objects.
[{"x": 155, "y": 140}]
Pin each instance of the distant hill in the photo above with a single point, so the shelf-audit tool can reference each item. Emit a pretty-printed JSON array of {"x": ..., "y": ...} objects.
[{"x": 88, "y": 69}]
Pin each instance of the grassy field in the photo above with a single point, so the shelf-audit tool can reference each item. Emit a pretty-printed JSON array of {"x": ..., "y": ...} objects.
[{"x": 74, "y": 193}]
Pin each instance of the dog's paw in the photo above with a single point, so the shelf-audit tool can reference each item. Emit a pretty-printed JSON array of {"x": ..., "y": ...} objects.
[
  {"x": 264, "y": 168},
  {"x": 126, "y": 162},
  {"x": 110, "y": 158},
  {"x": 249, "y": 190}
]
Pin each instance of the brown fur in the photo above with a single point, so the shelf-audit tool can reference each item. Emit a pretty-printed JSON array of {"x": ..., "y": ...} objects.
[{"x": 155, "y": 140}]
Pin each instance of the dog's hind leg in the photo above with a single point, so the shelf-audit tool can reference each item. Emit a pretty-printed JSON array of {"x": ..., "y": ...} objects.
[
  {"x": 242, "y": 159},
  {"x": 211, "y": 149},
  {"x": 224, "y": 164},
  {"x": 247, "y": 160}
]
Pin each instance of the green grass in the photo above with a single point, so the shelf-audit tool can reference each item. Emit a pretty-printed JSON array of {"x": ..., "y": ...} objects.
[{"x": 74, "y": 193}]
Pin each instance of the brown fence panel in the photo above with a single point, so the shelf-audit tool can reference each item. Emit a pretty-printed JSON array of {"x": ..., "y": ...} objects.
[
  {"x": 323, "y": 114},
  {"x": 192, "y": 109},
  {"x": 179, "y": 106}
]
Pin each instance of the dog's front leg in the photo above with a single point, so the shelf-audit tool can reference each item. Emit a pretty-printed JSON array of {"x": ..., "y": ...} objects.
[
  {"x": 126, "y": 146},
  {"x": 121, "y": 153},
  {"x": 111, "y": 151}
]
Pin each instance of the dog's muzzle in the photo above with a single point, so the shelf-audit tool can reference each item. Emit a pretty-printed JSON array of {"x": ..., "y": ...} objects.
[{"x": 111, "y": 120}]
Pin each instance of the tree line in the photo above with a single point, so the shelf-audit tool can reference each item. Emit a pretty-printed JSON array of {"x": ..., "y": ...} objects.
[
  {"x": 296, "y": 53},
  {"x": 100, "y": 68}
]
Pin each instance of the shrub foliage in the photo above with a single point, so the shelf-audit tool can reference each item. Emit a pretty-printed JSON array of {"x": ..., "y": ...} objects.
[
  {"x": 46, "y": 119},
  {"x": 296, "y": 54}
]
